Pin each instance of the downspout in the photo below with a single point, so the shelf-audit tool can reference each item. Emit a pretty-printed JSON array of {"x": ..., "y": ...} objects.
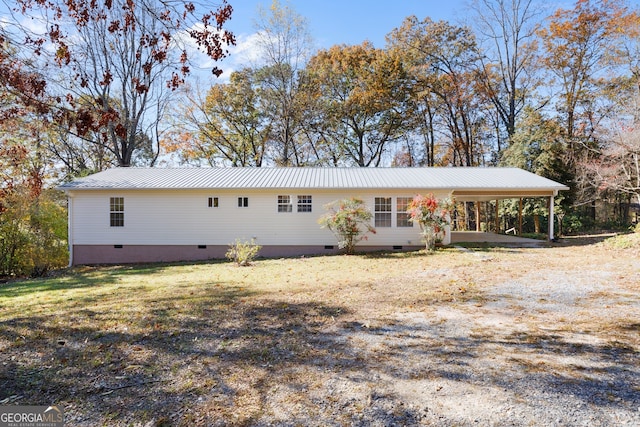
[{"x": 70, "y": 228}]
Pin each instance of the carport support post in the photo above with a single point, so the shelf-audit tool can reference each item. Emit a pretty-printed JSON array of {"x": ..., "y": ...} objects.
[
  {"x": 551, "y": 220},
  {"x": 520, "y": 217},
  {"x": 477, "y": 206},
  {"x": 497, "y": 216}
]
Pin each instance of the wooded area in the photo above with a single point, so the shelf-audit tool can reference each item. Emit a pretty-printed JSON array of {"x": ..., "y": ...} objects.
[{"x": 85, "y": 86}]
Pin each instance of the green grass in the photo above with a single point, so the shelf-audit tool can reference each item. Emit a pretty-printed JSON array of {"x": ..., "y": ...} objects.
[{"x": 624, "y": 241}]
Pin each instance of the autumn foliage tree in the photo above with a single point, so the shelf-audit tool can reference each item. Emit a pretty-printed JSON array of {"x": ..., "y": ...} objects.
[
  {"x": 441, "y": 59},
  {"x": 32, "y": 218},
  {"x": 577, "y": 45},
  {"x": 433, "y": 215},
  {"x": 224, "y": 127},
  {"x": 110, "y": 64},
  {"x": 362, "y": 92}
]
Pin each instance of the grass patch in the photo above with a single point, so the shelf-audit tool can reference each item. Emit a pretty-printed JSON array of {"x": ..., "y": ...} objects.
[
  {"x": 111, "y": 338},
  {"x": 208, "y": 343},
  {"x": 624, "y": 241}
]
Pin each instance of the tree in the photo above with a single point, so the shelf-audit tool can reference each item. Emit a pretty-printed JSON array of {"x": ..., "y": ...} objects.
[
  {"x": 539, "y": 146},
  {"x": 22, "y": 87},
  {"x": 618, "y": 167},
  {"x": 32, "y": 219},
  {"x": 124, "y": 57},
  {"x": 577, "y": 44},
  {"x": 349, "y": 220},
  {"x": 441, "y": 59},
  {"x": 227, "y": 127},
  {"x": 285, "y": 44},
  {"x": 361, "y": 93},
  {"x": 507, "y": 69}
]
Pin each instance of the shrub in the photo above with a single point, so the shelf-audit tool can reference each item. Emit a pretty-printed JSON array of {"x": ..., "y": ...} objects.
[
  {"x": 433, "y": 215},
  {"x": 32, "y": 235},
  {"x": 349, "y": 220},
  {"x": 243, "y": 253}
]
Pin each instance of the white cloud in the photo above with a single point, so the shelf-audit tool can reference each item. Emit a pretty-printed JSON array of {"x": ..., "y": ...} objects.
[{"x": 245, "y": 53}]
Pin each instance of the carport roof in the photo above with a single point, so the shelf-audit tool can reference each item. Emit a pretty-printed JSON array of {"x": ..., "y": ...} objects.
[{"x": 464, "y": 183}]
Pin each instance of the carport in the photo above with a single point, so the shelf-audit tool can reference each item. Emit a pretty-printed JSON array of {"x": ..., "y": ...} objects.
[{"x": 523, "y": 186}]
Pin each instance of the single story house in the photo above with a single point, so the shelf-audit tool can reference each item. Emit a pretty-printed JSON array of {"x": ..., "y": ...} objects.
[{"x": 130, "y": 215}]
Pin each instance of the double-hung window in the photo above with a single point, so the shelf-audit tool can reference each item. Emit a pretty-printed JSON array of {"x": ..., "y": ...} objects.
[
  {"x": 243, "y": 202},
  {"x": 116, "y": 211},
  {"x": 284, "y": 204},
  {"x": 304, "y": 203},
  {"x": 382, "y": 211},
  {"x": 402, "y": 217}
]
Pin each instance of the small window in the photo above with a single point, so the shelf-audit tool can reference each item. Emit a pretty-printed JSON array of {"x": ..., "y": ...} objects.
[
  {"x": 382, "y": 212},
  {"x": 284, "y": 204},
  {"x": 243, "y": 202},
  {"x": 116, "y": 211},
  {"x": 402, "y": 217},
  {"x": 213, "y": 202},
  {"x": 304, "y": 203}
]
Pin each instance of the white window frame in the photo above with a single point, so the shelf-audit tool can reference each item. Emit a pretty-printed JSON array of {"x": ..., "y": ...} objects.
[
  {"x": 305, "y": 203},
  {"x": 383, "y": 218},
  {"x": 284, "y": 203},
  {"x": 402, "y": 217},
  {"x": 116, "y": 211}
]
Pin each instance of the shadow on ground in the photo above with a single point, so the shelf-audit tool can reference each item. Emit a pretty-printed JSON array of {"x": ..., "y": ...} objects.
[{"x": 231, "y": 359}]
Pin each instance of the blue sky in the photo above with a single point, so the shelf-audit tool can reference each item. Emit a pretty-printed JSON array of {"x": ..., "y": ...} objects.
[
  {"x": 350, "y": 21},
  {"x": 334, "y": 22}
]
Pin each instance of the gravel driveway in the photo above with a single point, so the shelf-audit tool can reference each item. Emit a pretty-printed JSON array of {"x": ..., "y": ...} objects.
[{"x": 547, "y": 348}]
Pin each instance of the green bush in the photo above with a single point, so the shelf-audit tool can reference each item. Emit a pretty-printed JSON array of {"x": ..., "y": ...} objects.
[
  {"x": 243, "y": 253},
  {"x": 33, "y": 235},
  {"x": 575, "y": 223},
  {"x": 349, "y": 220}
]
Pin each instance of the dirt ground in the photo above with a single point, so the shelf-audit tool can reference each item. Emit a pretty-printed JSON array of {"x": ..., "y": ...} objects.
[{"x": 523, "y": 337}]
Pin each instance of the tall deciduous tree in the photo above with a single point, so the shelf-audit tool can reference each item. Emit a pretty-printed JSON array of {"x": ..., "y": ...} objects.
[
  {"x": 32, "y": 221},
  {"x": 285, "y": 44},
  {"x": 618, "y": 167},
  {"x": 508, "y": 67},
  {"x": 442, "y": 59},
  {"x": 124, "y": 56},
  {"x": 576, "y": 45},
  {"x": 225, "y": 128},
  {"x": 362, "y": 93}
]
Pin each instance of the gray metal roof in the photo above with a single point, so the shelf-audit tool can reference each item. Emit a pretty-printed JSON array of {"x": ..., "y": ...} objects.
[{"x": 451, "y": 179}]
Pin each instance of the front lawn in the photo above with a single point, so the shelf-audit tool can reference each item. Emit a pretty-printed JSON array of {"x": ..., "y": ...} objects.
[{"x": 314, "y": 340}]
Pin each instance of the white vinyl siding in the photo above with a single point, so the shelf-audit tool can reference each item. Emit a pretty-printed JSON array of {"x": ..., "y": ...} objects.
[{"x": 179, "y": 217}]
